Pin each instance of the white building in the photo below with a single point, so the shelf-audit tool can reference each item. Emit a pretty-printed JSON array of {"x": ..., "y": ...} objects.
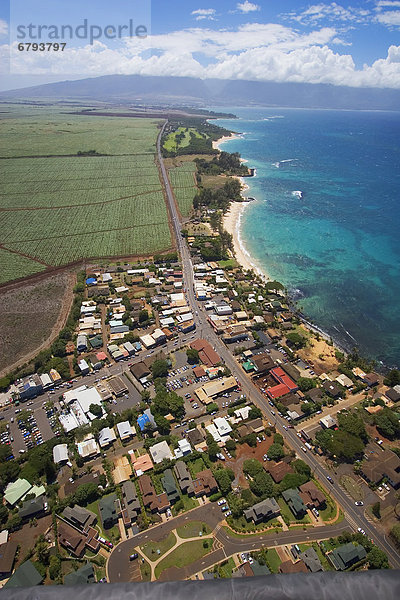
[
  {"x": 125, "y": 430},
  {"x": 88, "y": 447},
  {"x": 148, "y": 341},
  {"x": 60, "y": 453},
  {"x": 160, "y": 451},
  {"x": 106, "y": 436}
]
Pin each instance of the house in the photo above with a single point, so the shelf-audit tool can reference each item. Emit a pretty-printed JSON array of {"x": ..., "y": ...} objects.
[
  {"x": 347, "y": 555},
  {"x": 71, "y": 539},
  {"x": 160, "y": 452},
  {"x": 332, "y": 389},
  {"x": 26, "y": 575},
  {"x": 29, "y": 387},
  {"x": 207, "y": 354},
  {"x": 79, "y": 517},
  {"x": 393, "y": 394},
  {"x": 289, "y": 567},
  {"x": 328, "y": 422},
  {"x": 183, "y": 449},
  {"x": 184, "y": 478},
  {"x": 108, "y": 506},
  {"x": 311, "y": 560},
  {"x": 278, "y": 470},
  {"x": 205, "y": 483},
  {"x": 311, "y": 495},
  {"x": 142, "y": 464},
  {"x": 140, "y": 370},
  {"x": 117, "y": 386},
  {"x": 88, "y": 448},
  {"x": 106, "y": 436},
  {"x": 16, "y": 491},
  {"x": 125, "y": 430},
  {"x": 7, "y": 557},
  {"x": 131, "y": 500},
  {"x": 146, "y": 421},
  {"x": 344, "y": 381},
  {"x": 151, "y": 501},
  {"x": 82, "y": 576},
  {"x": 293, "y": 499},
  {"x": 263, "y": 363},
  {"x": 36, "y": 507},
  {"x": 169, "y": 485},
  {"x": 82, "y": 343},
  {"x": 83, "y": 367},
  {"x": 315, "y": 394},
  {"x": 386, "y": 464},
  {"x": 195, "y": 437},
  {"x": 263, "y": 511},
  {"x": 60, "y": 454},
  {"x": 371, "y": 379}
]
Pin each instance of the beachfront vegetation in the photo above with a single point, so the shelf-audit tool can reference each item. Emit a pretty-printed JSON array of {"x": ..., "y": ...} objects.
[
  {"x": 219, "y": 199},
  {"x": 224, "y": 162},
  {"x": 191, "y": 135}
]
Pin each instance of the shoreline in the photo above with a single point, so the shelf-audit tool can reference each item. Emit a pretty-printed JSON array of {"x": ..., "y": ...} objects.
[{"x": 216, "y": 144}]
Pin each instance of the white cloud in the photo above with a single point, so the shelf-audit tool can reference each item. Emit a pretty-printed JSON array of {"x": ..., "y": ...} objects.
[
  {"x": 256, "y": 51},
  {"x": 387, "y": 4},
  {"x": 3, "y": 28},
  {"x": 247, "y": 7},
  {"x": 330, "y": 12},
  {"x": 390, "y": 18},
  {"x": 204, "y": 13}
]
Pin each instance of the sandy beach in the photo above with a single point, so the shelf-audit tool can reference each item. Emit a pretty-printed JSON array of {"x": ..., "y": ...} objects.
[
  {"x": 231, "y": 223},
  {"x": 225, "y": 138}
]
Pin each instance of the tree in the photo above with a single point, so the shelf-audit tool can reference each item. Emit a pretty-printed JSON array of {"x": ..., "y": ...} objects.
[
  {"x": 143, "y": 316},
  {"x": 306, "y": 384},
  {"x": 306, "y": 407},
  {"x": 377, "y": 558},
  {"x": 55, "y": 567},
  {"x": 278, "y": 439},
  {"x": 13, "y": 523},
  {"x": 341, "y": 444},
  {"x": 392, "y": 378},
  {"x": 296, "y": 340},
  {"x": 387, "y": 423},
  {"x": 4, "y": 383},
  {"x": 395, "y": 534},
  {"x": 212, "y": 407},
  {"x": 376, "y": 510},
  {"x": 42, "y": 550},
  {"x": 96, "y": 410},
  {"x": 353, "y": 424},
  {"x": 292, "y": 480},
  {"x": 159, "y": 368},
  {"x": 262, "y": 484},
  {"x": 230, "y": 445},
  {"x": 251, "y": 467},
  {"x": 163, "y": 425},
  {"x": 301, "y": 467},
  {"x": 255, "y": 413},
  {"x": 212, "y": 447},
  {"x": 86, "y": 493},
  {"x": 275, "y": 452},
  {"x": 3, "y": 514},
  {"x": 223, "y": 479},
  {"x": 192, "y": 356}
]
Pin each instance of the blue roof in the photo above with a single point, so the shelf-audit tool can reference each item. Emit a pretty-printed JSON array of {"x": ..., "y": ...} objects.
[
  {"x": 138, "y": 345},
  {"x": 142, "y": 421},
  {"x": 91, "y": 280}
]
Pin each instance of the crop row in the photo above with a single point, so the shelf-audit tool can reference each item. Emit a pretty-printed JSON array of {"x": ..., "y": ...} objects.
[
  {"x": 183, "y": 184},
  {"x": 13, "y": 266}
]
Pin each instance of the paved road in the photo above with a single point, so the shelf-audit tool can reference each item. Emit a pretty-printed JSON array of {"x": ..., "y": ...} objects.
[
  {"x": 354, "y": 514},
  {"x": 119, "y": 569}
]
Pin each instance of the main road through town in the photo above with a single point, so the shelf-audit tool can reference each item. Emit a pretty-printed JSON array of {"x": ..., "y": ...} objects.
[{"x": 355, "y": 515}]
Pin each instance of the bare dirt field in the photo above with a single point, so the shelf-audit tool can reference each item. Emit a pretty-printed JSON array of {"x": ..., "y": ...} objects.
[
  {"x": 32, "y": 314},
  {"x": 243, "y": 452}
]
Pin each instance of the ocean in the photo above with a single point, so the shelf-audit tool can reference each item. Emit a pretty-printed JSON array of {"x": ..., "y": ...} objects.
[{"x": 326, "y": 220}]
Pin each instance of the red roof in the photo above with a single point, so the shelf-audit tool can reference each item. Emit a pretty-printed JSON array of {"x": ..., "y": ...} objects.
[
  {"x": 101, "y": 356},
  {"x": 207, "y": 354},
  {"x": 279, "y": 374},
  {"x": 278, "y": 390}
]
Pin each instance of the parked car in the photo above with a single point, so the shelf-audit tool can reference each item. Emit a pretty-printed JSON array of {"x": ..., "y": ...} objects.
[{"x": 133, "y": 556}]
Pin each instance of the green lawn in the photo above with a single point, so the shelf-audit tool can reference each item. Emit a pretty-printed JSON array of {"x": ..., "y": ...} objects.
[
  {"x": 241, "y": 524},
  {"x": 226, "y": 264},
  {"x": 184, "y": 555},
  {"x": 225, "y": 568},
  {"x": 170, "y": 142},
  {"x": 150, "y": 548},
  {"x": 273, "y": 560},
  {"x": 192, "y": 529},
  {"x": 188, "y": 504},
  {"x": 196, "y": 465},
  {"x": 145, "y": 571},
  {"x": 352, "y": 487}
]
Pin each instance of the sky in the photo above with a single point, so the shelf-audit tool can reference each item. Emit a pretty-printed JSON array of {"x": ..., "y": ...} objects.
[{"x": 354, "y": 43}]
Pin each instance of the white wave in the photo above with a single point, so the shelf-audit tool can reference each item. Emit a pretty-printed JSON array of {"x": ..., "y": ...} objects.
[
  {"x": 281, "y": 162},
  {"x": 297, "y": 194}
]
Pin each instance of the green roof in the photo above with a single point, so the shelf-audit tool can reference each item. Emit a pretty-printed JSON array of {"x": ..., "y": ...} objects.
[
  {"x": 17, "y": 490},
  {"x": 248, "y": 366},
  {"x": 82, "y": 576},
  {"x": 96, "y": 341},
  {"x": 108, "y": 510},
  {"x": 38, "y": 490},
  {"x": 169, "y": 485},
  {"x": 25, "y": 576},
  {"x": 294, "y": 501}
]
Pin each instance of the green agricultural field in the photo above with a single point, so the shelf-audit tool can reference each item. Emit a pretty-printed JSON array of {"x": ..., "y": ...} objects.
[
  {"x": 57, "y": 207},
  {"x": 172, "y": 142},
  {"x": 183, "y": 183}
]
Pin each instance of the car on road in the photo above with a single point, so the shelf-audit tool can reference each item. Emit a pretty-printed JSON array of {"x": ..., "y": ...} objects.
[
  {"x": 133, "y": 556},
  {"x": 304, "y": 449},
  {"x": 361, "y": 530},
  {"x": 359, "y": 503},
  {"x": 329, "y": 479}
]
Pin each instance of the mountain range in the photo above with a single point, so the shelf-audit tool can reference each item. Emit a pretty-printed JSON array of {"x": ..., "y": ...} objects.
[{"x": 175, "y": 91}]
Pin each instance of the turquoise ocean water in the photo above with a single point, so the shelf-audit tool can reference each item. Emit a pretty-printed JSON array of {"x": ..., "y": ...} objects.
[{"x": 326, "y": 221}]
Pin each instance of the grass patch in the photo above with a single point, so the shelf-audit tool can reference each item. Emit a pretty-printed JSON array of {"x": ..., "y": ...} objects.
[
  {"x": 352, "y": 487},
  {"x": 272, "y": 559},
  {"x": 192, "y": 529},
  {"x": 184, "y": 555},
  {"x": 145, "y": 571},
  {"x": 150, "y": 548},
  {"x": 196, "y": 466},
  {"x": 228, "y": 264},
  {"x": 188, "y": 504},
  {"x": 100, "y": 572}
]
